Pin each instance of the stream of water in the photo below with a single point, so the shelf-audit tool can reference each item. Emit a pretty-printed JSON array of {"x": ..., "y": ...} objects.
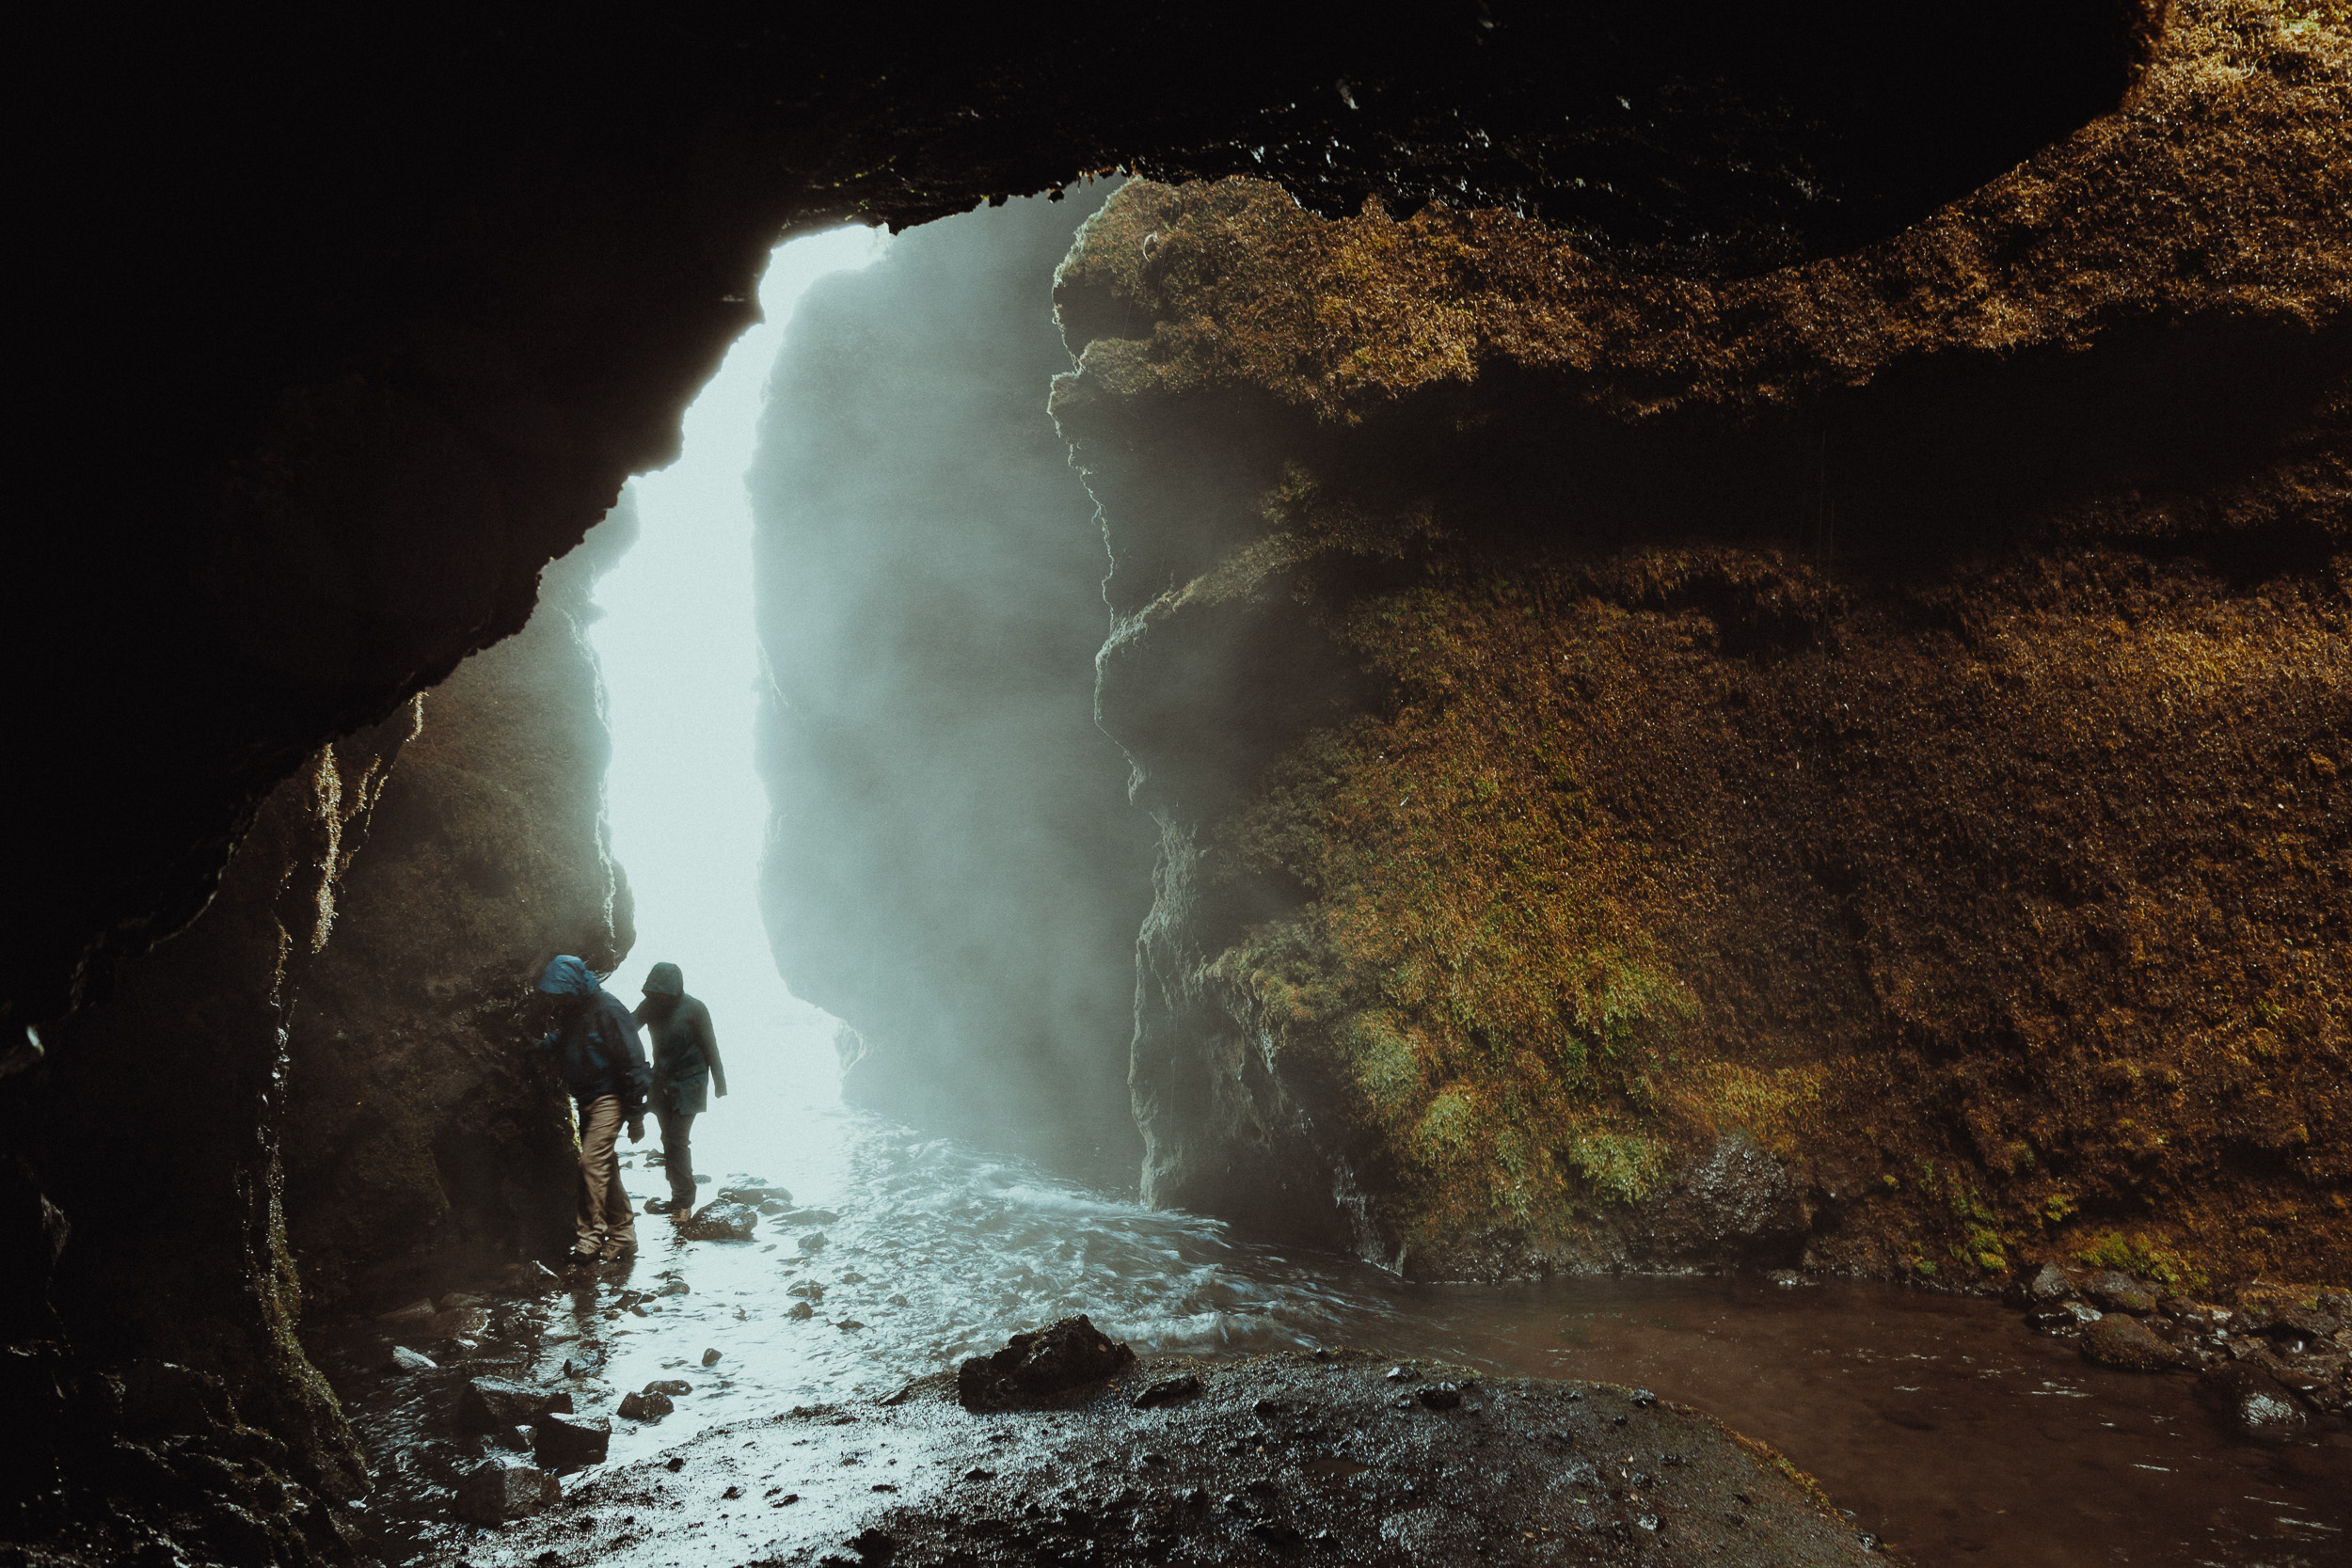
[{"x": 1949, "y": 1430}]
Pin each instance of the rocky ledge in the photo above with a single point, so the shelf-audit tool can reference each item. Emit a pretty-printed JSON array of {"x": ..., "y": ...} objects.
[
  {"x": 2269, "y": 1365},
  {"x": 1344, "y": 1456}
]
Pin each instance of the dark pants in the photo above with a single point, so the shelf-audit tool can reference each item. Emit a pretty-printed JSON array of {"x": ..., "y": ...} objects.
[{"x": 678, "y": 1155}]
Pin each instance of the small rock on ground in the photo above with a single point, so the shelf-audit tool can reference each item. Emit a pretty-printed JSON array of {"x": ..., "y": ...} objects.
[
  {"x": 566, "y": 1442},
  {"x": 497, "y": 1494},
  {"x": 646, "y": 1407},
  {"x": 487, "y": 1404},
  {"x": 720, "y": 1221},
  {"x": 2122, "y": 1341}
]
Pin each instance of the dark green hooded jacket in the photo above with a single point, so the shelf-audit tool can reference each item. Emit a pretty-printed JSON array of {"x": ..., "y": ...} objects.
[{"x": 685, "y": 1048}]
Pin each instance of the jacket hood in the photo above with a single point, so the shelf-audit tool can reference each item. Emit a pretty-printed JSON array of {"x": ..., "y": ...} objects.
[
  {"x": 568, "y": 976},
  {"x": 665, "y": 981}
]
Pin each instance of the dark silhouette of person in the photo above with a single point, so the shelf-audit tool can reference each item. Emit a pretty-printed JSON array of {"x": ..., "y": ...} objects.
[
  {"x": 598, "y": 1057},
  {"x": 685, "y": 1064}
]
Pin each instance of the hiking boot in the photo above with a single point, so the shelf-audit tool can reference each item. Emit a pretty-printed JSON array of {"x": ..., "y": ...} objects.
[
  {"x": 578, "y": 1258},
  {"x": 617, "y": 1252}
]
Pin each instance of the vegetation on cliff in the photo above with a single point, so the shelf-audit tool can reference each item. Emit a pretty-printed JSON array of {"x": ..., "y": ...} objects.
[{"x": 1890, "y": 710}]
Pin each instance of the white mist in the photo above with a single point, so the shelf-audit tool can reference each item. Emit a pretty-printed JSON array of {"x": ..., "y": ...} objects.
[{"x": 681, "y": 667}]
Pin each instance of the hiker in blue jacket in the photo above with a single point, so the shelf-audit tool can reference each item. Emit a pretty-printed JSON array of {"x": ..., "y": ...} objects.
[{"x": 598, "y": 1057}]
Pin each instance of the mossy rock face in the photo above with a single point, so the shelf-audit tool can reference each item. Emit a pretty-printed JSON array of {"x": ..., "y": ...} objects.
[
  {"x": 1875, "y": 728},
  {"x": 422, "y": 1127}
]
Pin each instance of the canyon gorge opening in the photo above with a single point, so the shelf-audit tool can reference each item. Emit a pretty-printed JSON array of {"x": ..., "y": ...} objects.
[{"x": 1551, "y": 649}]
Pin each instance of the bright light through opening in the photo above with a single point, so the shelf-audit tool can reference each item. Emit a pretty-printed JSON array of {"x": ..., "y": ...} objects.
[{"x": 682, "y": 672}]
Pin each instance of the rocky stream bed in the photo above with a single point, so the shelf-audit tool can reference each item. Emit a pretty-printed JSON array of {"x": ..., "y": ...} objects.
[{"x": 784, "y": 1389}]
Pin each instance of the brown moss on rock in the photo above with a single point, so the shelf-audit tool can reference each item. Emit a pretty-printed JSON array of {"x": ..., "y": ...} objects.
[{"x": 1886, "y": 714}]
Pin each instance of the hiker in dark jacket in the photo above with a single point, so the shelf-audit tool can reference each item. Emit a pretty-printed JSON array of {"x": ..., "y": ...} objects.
[
  {"x": 601, "y": 1062},
  {"x": 685, "y": 1061}
]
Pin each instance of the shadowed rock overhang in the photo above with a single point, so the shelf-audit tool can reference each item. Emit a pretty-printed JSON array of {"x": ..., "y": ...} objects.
[{"x": 339, "y": 330}]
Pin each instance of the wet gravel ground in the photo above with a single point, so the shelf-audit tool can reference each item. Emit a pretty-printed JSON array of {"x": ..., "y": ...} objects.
[
  {"x": 1945, "y": 1425},
  {"x": 1338, "y": 1457}
]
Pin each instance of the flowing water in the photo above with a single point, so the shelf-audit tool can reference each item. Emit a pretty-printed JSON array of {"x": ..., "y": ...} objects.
[{"x": 1946, "y": 1427}]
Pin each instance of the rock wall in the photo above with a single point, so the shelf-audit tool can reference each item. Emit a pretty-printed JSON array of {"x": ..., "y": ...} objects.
[
  {"x": 403, "y": 359},
  {"x": 159, "y": 1401},
  {"x": 1847, "y": 765},
  {"x": 952, "y": 865},
  {"x": 421, "y": 1129},
  {"x": 260, "y": 1117}
]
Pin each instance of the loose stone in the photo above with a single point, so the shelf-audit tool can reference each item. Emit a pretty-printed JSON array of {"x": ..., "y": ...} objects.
[
  {"x": 2122, "y": 1341},
  {"x": 564, "y": 1442},
  {"x": 646, "y": 1407},
  {"x": 487, "y": 1404},
  {"x": 496, "y": 1493}
]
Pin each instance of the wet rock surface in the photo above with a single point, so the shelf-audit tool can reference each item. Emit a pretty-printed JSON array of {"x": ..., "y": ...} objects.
[
  {"x": 425, "y": 1134},
  {"x": 2123, "y": 1342},
  {"x": 568, "y": 1442},
  {"x": 498, "y": 1494},
  {"x": 488, "y": 1404},
  {"x": 1444, "y": 559},
  {"x": 1951, "y": 1429},
  {"x": 1278, "y": 1455},
  {"x": 722, "y": 1221},
  {"x": 645, "y": 1405},
  {"x": 1040, "y": 1365}
]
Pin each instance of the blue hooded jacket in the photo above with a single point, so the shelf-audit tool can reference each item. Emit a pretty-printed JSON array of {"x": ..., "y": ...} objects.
[{"x": 596, "y": 1050}]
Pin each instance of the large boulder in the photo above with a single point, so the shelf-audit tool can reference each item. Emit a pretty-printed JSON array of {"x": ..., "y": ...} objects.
[{"x": 1037, "y": 1365}]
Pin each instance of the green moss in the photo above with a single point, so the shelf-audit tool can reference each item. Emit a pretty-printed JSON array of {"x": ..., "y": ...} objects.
[
  {"x": 2148, "y": 1257},
  {"x": 1475, "y": 967},
  {"x": 1624, "y": 1166}
]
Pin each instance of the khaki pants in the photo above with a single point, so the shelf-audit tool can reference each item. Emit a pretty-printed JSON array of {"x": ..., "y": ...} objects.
[{"x": 606, "y": 1223}]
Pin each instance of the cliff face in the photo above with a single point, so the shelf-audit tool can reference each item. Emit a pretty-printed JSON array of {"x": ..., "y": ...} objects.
[
  {"x": 259, "y": 1111},
  {"x": 953, "y": 866},
  {"x": 1847, "y": 764},
  {"x": 158, "y": 1398},
  {"x": 421, "y": 1124}
]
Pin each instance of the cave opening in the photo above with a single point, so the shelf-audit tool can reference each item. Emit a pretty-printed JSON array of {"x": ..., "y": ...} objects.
[
  {"x": 682, "y": 672},
  {"x": 1988, "y": 870}
]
